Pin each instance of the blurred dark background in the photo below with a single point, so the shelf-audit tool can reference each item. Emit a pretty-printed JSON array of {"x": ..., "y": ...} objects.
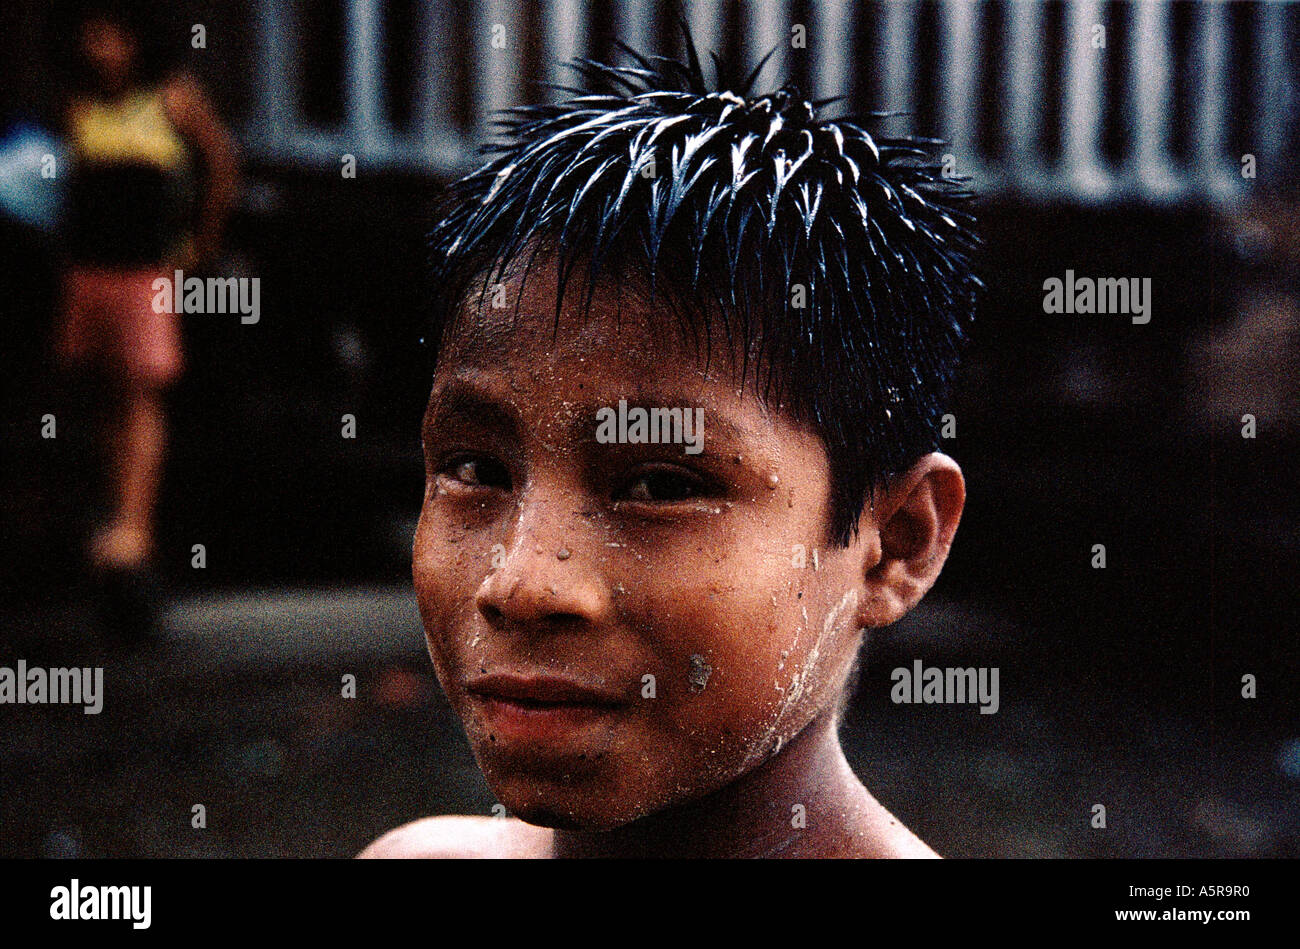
[{"x": 1119, "y": 686}]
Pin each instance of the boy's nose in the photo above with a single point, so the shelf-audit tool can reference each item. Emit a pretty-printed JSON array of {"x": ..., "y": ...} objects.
[{"x": 551, "y": 573}]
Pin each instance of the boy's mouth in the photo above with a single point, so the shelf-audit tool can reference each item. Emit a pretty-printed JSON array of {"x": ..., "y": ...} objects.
[
  {"x": 538, "y": 708},
  {"x": 540, "y": 691}
]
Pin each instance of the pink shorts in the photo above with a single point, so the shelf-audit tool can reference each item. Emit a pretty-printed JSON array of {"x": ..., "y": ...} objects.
[{"x": 109, "y": 321}]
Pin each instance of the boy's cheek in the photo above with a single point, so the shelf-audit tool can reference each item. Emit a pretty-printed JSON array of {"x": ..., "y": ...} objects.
[
  {"x": 446, "y": 548},
  {"x": 446, "y": 577},
  {"x": 724, "y": 653},
  {"x": 768, "y": 651}
]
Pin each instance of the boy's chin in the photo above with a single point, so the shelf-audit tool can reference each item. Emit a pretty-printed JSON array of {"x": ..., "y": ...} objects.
[
  {"x": 567, "y": 808},
  {"x": 542, "y": 816}
]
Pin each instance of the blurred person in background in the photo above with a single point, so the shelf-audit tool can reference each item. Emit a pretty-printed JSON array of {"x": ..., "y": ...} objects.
[{"x": 137, "y": 132}]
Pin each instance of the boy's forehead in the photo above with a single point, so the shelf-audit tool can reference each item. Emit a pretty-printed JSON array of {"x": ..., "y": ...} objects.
[
  {"x": 622, "y": 346},
  {"x": 600, "y": 361},
  {"x": 490, "y": 336},
  {"x": 619, "y": 330},
  {"x": 515, "y": 366}
]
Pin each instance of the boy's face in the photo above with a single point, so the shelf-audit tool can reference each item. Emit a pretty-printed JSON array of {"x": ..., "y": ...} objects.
[{"x": 621, "y": 627}]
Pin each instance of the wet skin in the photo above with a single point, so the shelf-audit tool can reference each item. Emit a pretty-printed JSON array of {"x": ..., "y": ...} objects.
[{"x": 556, "y": 574}]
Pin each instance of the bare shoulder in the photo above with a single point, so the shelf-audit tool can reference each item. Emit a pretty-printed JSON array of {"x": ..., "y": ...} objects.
[
  {"x": 903, "y": 844},
  {"x": 181, "y": 91},
  {"x": 188, "y": 106},
  {"x": 884, "y": 835},
  {"x": 454, "y": 837}
]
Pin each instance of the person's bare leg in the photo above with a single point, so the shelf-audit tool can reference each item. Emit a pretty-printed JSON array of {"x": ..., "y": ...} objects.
[{"x": 136, "y": 456}]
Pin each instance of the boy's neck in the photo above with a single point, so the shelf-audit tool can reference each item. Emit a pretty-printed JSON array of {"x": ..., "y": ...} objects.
[{"x": 756, "y": 815}]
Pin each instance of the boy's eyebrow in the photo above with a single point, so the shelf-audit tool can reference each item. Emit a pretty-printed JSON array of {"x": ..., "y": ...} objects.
[
  {"x": 464, "y": 399},
  {"x": 716, "y": 424}
]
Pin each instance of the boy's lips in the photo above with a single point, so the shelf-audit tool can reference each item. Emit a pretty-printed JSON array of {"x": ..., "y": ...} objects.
[
  {"x": 539, "y": 708},
  {"x": 541, "y": 690}
]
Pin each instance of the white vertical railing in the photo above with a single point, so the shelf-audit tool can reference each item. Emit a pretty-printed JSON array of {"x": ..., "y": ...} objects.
[
  {"x": 433, "y": 121},
  {"x": 1210, "y": 128},
  {"x": 1276, "y": 91},
  {"x": 898, "y": 42},
  {"x": 1081, "y": 112},
  {"x": 830, "y": 40},
  {"x": 767, "y": 26},
  {"x": 837, "y": 58},
  {"x": 636, "y": 25},
  {"x": 705, "y": 20},
  {"x": 496, "y": 45},
  {"x": 277, "y": 92},
  {"x": 363, "y": 73},
  {"x": 565, "y": 30},
  {"x": 1021, "y": 123},
  {"x": 1150, "y": 85},
  {"x": 959, "y": 65}
]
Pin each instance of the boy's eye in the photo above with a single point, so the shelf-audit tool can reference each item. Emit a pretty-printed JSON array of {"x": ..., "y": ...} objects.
[
  {"x": 478, "y": 472},
  {"x": 663, "y": 485}
]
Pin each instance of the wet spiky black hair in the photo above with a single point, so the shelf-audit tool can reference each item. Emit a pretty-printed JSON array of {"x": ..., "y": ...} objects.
[{"x": 841, "y": 258}]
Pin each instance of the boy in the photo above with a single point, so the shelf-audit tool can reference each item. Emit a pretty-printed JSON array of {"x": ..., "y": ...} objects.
[{"x": 647, "y": 627}]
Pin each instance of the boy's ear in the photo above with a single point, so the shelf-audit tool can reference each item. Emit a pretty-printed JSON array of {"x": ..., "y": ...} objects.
[{"x": 906, "y": 538}]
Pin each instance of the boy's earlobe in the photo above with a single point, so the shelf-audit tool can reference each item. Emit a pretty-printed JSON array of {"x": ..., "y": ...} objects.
[{"x": 906, "y": 540}]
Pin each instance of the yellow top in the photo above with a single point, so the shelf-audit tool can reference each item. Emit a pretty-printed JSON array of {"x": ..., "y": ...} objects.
[
  {"x": 135, "y": 182},
  {"x": 134, "y": 128}
]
